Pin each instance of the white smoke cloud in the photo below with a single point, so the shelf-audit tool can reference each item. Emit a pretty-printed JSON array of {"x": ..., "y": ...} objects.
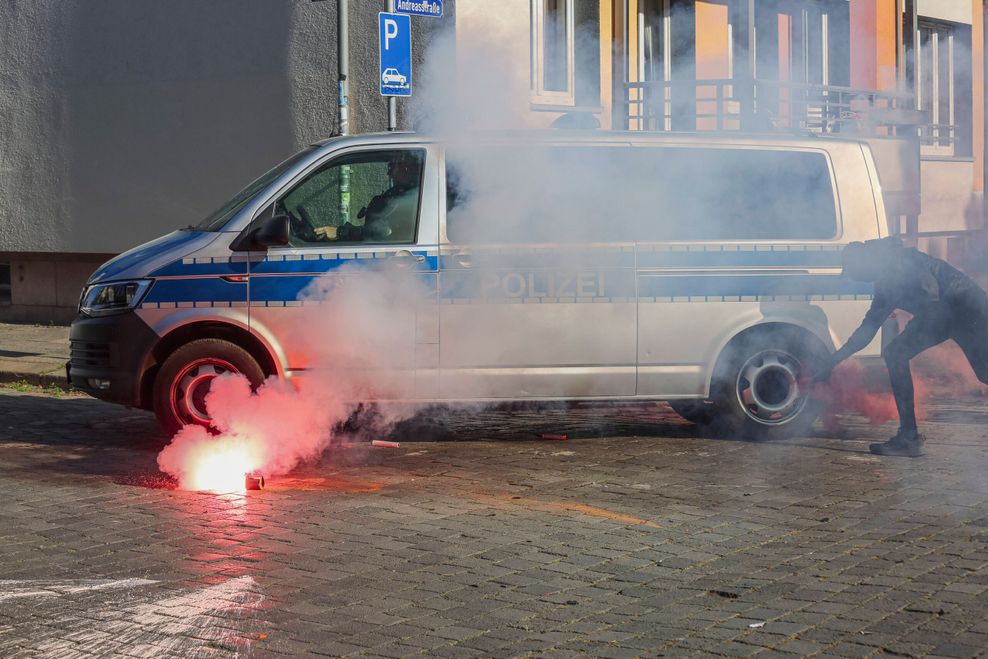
[{"x": 357, "y": 324}]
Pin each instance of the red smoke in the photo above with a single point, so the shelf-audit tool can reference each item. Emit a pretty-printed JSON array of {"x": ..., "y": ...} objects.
[
  {"x": 848, "y": 392},
  {"x": 359, "y": 335},
  {"x": 947, "y": 371}
]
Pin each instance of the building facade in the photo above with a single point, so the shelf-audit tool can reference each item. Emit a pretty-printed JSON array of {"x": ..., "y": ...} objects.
[
  {"x": 906, "y": 74},
  {"x": 127, "y": 119}
]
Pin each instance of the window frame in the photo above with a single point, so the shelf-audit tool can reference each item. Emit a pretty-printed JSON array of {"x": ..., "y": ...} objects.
[
  {"x": 539, "y": 94},
  {"x": 941, "y": 136},
  {"x": 334, "y": 159}
]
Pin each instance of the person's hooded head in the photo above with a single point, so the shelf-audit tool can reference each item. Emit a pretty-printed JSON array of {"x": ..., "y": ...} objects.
[
  {"x": 870, "y": 260},
  {"x": 404, "y": 169}
]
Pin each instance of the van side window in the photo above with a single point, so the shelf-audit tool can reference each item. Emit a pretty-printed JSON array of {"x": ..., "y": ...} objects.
[
  {"x": 742, "y": 194},
  {"x": 638, "y": 194},
  {"x": 370, "y": 197}
]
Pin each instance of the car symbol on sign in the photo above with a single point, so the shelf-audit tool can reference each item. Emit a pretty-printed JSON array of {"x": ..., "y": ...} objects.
[{"x": 392, "y": 77}]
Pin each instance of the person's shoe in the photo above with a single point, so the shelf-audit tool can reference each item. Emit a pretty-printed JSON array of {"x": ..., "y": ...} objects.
[{"x": 902, "y": 445}]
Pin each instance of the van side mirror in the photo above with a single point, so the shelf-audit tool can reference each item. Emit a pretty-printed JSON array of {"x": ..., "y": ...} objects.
[
  {"x": 273, "y": 232},
  {"x": 261, "y": 234}
]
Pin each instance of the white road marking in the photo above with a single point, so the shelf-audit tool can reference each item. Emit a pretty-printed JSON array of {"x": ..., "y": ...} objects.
[
  {"x": 192, "y": 624},
  {"x": 14, "y": 588}
]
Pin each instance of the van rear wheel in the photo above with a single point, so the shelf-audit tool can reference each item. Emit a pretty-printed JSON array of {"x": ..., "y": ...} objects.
[
  {"x": 758, "y": 393},
  {"x": 184, "y": 379}
]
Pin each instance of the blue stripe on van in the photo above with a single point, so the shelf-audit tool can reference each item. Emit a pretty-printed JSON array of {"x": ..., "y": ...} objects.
[
  {"x": 543, "y": 259},
  {"x": 199, "y": 289},
  {"x": 203, "y": 267},
  {"x": 292, "y": 264},
  {"x": 538, "y": 275},
  {"x": 278, "y": 289},
  {"x": 748, "y": 286},
  {"x": 748, "y": 258},
  {"x": 528, "y": 286},
  {"x": 288, "y": 288}
]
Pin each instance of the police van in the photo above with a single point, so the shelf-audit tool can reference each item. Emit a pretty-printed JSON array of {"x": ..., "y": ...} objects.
[{"x": 712, "y": 283}]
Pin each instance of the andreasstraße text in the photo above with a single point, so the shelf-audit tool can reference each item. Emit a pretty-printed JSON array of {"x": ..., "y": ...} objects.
[{"x": 420, "y": 7}]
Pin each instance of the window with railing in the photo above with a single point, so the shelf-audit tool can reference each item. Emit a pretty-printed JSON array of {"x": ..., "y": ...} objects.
[
  {"x": 768, "y": 105},
  {"x": 943, "y": 87}
]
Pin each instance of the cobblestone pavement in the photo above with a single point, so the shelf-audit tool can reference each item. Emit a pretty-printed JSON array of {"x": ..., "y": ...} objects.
[{"x": 637, "y": 536}]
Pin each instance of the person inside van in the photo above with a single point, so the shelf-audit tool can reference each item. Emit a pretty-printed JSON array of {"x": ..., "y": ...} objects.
[
  {"x": 945, "y": 304},
  {"x": 389, "y": 216}
]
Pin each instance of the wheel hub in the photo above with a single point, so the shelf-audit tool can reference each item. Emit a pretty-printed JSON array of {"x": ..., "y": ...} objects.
[
  {"x": 768, "y": 388},
  {"x": 189, "y": 390}
]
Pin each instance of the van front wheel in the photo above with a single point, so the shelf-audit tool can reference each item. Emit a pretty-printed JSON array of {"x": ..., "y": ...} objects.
[
  {"x": 758, "y": 391},
  {"x": 181, "y": 385}
]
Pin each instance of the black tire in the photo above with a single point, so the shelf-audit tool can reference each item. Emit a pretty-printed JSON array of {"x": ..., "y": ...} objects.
[
  {"x": 184, "y": 378},
  {"x": 699, "y": 412},
  {"x": 757, "y": 393}
]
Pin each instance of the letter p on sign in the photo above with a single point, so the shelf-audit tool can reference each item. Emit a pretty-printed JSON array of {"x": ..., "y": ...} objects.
[{"x": 390, "y": 32}]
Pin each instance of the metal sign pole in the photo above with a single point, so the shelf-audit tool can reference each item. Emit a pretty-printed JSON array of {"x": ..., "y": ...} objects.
[
  {"x": 392, "y": 101},
  {"x": 343, "y": 55}
]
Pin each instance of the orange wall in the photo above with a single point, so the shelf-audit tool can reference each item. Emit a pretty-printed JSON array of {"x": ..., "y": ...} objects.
[
  {"x": 606, "y": 48},
  {"x": 785, "y": 42},
  {"x": 712, "y": 58},
  {"x": 873, "y": 44}
]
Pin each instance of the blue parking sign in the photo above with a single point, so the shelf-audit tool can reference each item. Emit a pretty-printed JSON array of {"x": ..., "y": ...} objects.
[{"x": 395, "y": 32}]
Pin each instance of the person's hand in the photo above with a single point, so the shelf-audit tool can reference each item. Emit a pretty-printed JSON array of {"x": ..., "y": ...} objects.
[{"x": 326, "y": 233}]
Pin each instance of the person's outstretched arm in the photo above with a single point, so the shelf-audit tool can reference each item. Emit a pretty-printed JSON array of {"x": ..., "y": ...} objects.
[{"x": 861, "y": 337}]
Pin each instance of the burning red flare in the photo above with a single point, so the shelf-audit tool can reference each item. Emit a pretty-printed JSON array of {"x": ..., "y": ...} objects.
[
  {"x": 220, "y": 471},
  {"x": 206, "y": 463}
]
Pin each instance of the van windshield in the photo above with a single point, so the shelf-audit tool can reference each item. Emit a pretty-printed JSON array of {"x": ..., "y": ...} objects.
[{"x": 219, "y": 218}]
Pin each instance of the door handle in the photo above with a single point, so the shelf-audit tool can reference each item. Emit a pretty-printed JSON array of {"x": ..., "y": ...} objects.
[
  {"x": 406, "y": 256},
  {"x": 464, "y": 259}
]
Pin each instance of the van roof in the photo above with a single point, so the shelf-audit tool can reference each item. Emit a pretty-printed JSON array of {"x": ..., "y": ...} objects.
[{"x": 598, "y": 136}]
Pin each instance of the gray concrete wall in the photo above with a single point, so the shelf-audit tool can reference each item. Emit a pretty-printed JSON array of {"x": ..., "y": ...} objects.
[{"x": 121, "y": 120}]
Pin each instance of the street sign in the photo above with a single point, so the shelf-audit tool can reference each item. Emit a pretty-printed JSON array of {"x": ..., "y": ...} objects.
[
  {"x": 433, "y": 8},
  {"x": 395, "y": 33}
]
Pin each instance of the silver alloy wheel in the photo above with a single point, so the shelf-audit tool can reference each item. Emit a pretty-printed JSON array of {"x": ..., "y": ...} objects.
[
  {"x": 189, "y": 389},
  {"x": 768, "y": 389}
]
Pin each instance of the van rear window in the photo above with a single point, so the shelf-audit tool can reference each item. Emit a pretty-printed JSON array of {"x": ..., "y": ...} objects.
[{"x": 638, "y": 194}]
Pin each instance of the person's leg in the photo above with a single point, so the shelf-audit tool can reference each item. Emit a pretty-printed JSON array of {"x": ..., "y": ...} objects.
[
  {"x": 973, "y": 340},
  {"x": 969, "y": 325},
  {"x": 919, "y": 334}
]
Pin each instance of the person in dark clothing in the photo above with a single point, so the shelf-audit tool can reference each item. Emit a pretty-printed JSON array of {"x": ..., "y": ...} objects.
[
  {"x": 945, "y": 304},
  {"x": 389, "y": 216}
]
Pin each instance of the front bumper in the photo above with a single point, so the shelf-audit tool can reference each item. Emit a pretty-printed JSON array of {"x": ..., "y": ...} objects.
[{"x": 108, "y": 356}]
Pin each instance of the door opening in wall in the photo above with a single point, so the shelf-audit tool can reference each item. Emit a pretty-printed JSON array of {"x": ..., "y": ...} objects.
[{"x": 4, "y": 283}]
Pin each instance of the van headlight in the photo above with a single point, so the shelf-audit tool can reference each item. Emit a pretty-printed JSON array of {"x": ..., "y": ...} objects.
[{"x": 113, "y": 297}]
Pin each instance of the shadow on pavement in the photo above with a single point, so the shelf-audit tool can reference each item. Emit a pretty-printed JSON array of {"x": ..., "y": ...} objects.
[
  {"x": 531, "y": 421},
  {"x": 78, "y": 436}
]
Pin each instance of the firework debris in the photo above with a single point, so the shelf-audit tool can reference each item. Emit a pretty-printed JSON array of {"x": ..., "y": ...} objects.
[
  {"x": 380, "y": 443},
  {"x": 254, "y": 481},
  {"x": 560, "y": 438}
]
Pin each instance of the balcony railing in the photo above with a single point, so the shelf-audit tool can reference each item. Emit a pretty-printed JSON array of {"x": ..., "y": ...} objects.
[{"x": 765, "y": 105}]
